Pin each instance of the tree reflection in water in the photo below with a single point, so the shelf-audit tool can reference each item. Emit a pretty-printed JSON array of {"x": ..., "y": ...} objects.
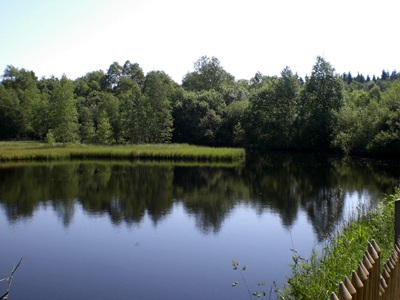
[{"x": 284, "y": 184}]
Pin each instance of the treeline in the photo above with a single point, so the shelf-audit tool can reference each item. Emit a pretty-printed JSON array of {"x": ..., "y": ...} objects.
[{"x": 324, "y": 112}]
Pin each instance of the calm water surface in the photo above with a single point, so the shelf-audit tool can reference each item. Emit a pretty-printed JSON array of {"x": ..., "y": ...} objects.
[{"x": 131, "y": 230}]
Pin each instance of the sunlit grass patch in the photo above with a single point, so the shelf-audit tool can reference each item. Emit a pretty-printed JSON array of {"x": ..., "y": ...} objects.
[{"x": 10, "y": 151}]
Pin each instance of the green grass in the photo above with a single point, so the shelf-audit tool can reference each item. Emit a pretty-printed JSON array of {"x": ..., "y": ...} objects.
[
  {"x": 122, "y": 162},
  {"x": 318, "y": 276},
  {"x": 32, "y": 151}
]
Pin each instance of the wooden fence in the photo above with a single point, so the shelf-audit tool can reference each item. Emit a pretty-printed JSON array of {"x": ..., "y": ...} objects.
[{"x": 368, "y": 283}]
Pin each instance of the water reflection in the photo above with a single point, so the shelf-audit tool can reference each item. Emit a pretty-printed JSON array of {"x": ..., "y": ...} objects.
[
  {"x": 210, "y": 194},
  {"x": 280, "y": 183}
]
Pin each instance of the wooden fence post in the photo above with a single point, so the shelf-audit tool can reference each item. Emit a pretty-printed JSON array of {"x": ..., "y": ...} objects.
[
  {"x": 375, "y": 271},
  {"x": 367, "y": 283},
  {"x": 363, "y": 274},
  {"x": 382, "y": 287},
  {"x": 358, "y": 285},
  {"x": 393, "y": 263},
  {"x": 334, "y": 297},
  {"x": 350, "y": 288},
  {"x": 343, "y": 292},
  {"x": 388, "y": 279},
  {"x": 390, "y": 268},
  {"x": 396, "y": 220},
  {"x": 368, "y": 266},
  {"x": 395, "y": 256}
]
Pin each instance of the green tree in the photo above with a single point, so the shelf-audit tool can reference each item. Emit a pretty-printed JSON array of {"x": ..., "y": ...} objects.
[
  {"x": 64, "y": 112},
  {"x": 125, "y": 84},
  {"x": 30, "y": 100},
  {"x": 385, "y": 75},
  {"x": 40, "y": 118},
  {"x": 237, "y": 91},
  {"x": 113, "y": 76},
  {"x": 86, "y": 128},
  {"x": 133, "y": 71},
  {"x": 104, "y": 134},
  {"x": 261, "y": 118},
  {"x": 10, "y": 114},
  {"x": 322, "y": 97},
  {"x": 208, "y": 74},
  {"x": 91, "y": 82},
  {"x": 133, "y": 114},
  {"x": 357, "y": 122},
  {"x": 287, "y": 97},
  {"x": 157, "y": 91},
  {"x": 259, "y": 81},
  {"x": 112, "y": 105},
  {"x": 198, "y": 117},
  {"x": 375, "y": 92},
  {"x": 273, "y": 112},
  {"x": 119, "y": 78},
  {"x": 232, "y": 132},
  {"x": 387, "y": 140}
]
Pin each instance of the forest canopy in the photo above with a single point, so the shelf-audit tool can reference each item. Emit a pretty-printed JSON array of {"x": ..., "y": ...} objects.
[{"x": 325, "y": 111}]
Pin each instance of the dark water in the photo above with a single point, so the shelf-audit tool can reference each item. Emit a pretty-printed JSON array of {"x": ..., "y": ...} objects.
[{"x": 131, "y": 230}]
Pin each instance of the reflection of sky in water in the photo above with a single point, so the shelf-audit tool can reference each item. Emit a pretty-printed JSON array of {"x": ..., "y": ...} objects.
[
  {"x": 354, "y": 202},
  {"x": 94, "y": 259}
]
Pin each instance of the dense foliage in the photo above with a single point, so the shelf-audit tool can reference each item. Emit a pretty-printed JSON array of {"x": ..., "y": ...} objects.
[{"x": 325, "y": 111}]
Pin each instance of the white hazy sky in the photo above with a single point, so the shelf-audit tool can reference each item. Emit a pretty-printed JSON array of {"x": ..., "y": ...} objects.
[{"x": 53, "y": 37}]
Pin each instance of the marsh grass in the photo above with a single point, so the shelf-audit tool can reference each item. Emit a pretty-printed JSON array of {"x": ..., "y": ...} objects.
[
  {"x": 122, "y": 162},
  {"x": 318, "y": 276},
  {"x": 28, "y": 151}
]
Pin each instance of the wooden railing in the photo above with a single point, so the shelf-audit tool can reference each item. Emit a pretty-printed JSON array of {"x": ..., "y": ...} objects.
[{"x": 367, "y": 283}]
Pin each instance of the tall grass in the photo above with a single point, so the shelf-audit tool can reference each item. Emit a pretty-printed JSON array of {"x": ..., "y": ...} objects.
[
  {"x": 10, "y": 151},
  {"x": 318, "y": 276},
  {"x": 123, "y": 162}
]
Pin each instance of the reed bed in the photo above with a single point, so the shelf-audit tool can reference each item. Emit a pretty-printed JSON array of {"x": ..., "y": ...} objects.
[
  {"x": 31, "y": 151},
  {"x": 123, "y": 162}
]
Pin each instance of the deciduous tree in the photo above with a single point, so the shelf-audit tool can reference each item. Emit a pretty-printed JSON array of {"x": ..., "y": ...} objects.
[
  {"x": 64, "y": 112},
  {"x": 157, "y": 90},
  {"x": 208, "y": 74},
  {"x": 323, "y": 95}
]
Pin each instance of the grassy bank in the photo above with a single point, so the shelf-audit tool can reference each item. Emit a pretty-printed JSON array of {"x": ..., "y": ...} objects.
[
  {"x": 17, "y": 151},
  {"x": 318, "y": 276}
]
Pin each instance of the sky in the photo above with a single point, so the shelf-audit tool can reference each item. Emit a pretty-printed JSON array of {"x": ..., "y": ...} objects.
[{"x": 74, "y": 37}]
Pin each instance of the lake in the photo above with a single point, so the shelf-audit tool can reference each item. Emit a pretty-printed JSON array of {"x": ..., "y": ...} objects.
[{"x": 148, "y": 230}]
